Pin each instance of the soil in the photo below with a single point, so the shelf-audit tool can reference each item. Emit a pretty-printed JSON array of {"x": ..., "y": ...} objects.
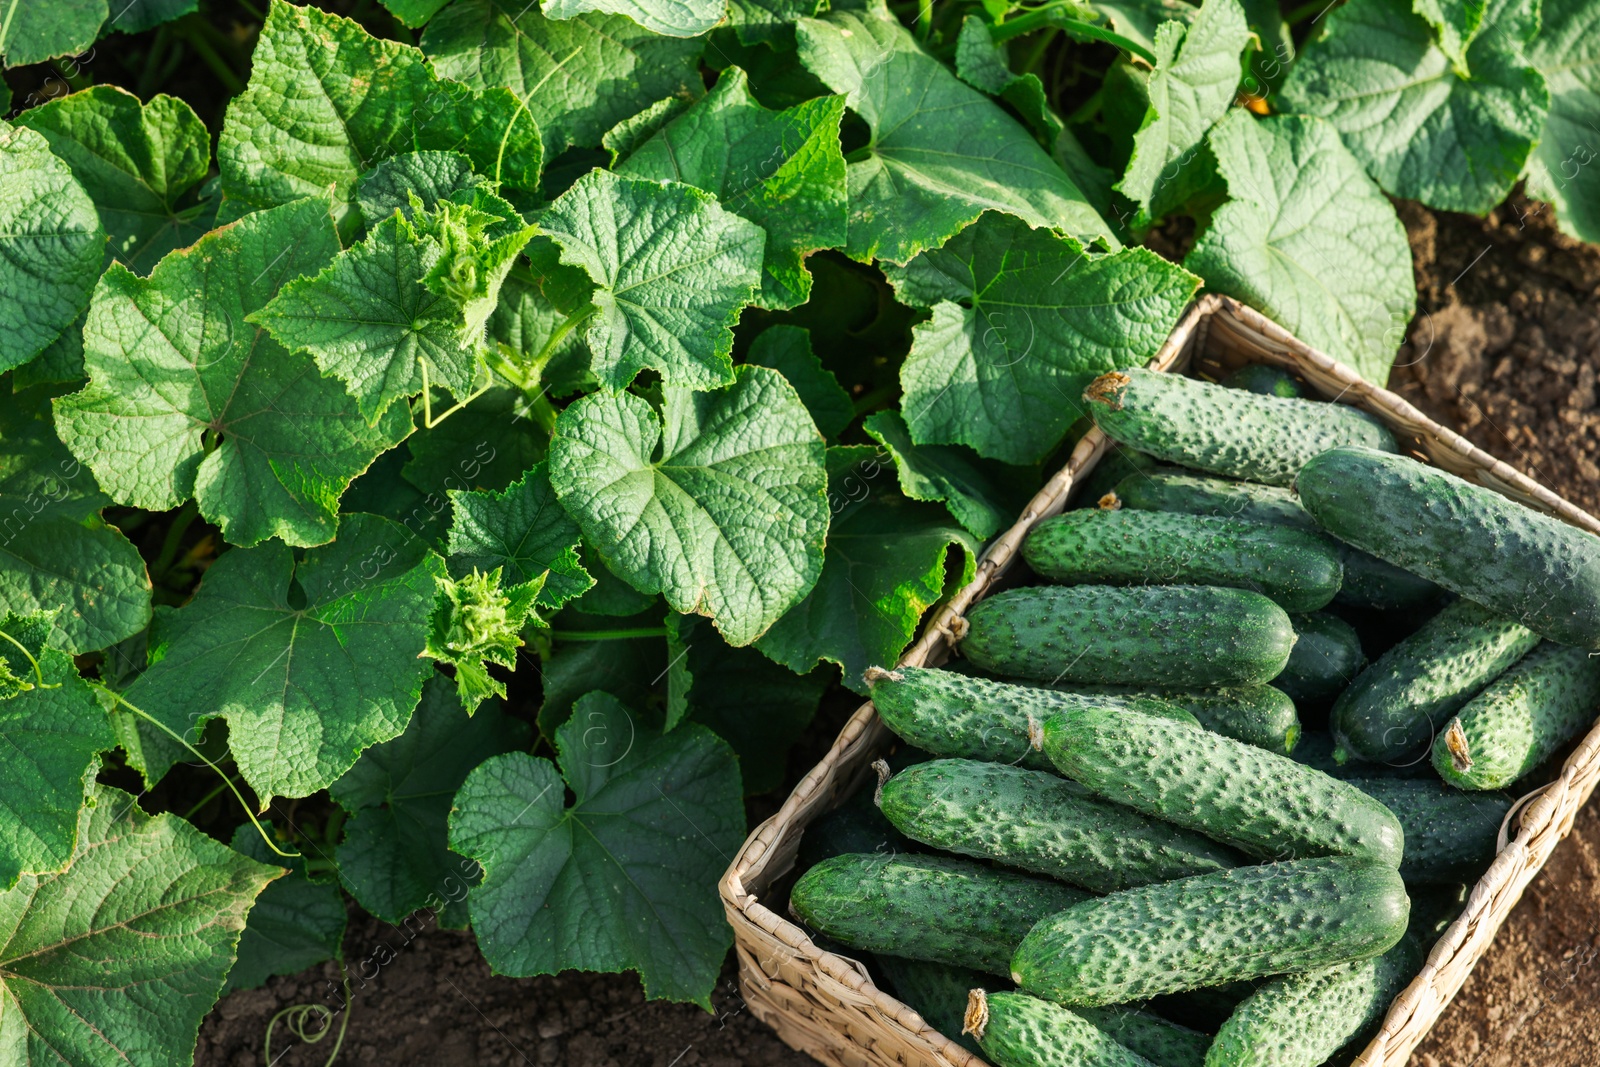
[{"x": 1505, "y": 348}]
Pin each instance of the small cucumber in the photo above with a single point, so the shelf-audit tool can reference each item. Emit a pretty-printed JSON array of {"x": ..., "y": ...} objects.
[
  {"x": 1296, "y": 569},
  {"x": 1327, "y": 657},
  {"x": 950, "y": 714},
  {"x": 1163, "y": 1043},
  {"x": 854, "y": 826},
  {"x": 1394, "y": 708},
  {"x": 1316, "y": 750},
  {"x": 1174, "y": 635},
  {"x": 1266, "y": 380},
  {"x": 935, "y": 991},
  {"x": 934, "y": 908},
  {"x": 1546, "y": 699},
  {"x": 1225, "y": 431},
  {"x": 1300, "y": 1020},
  {"x": 1450, "y": 834},
  {"x": 1264, "y": 804},
  {"x": 1526, "y": 566},
  {"x": 1275, "y": 918},
  {"x": 1115, "y": 464},
  {"x": 1015, "y": 1030},
  {"x": 1037, "y": 821},
  {"x": 1259, "y": 715}
]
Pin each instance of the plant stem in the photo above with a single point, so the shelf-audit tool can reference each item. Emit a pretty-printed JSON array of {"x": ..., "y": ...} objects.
[
  {"x": 607, "y": 635},
  {"x": 870, "y": 400},
  {"x": 195, "y": 39},
  {"x": 169, "y": 545},
  {"x": 1086, "y": 110}
]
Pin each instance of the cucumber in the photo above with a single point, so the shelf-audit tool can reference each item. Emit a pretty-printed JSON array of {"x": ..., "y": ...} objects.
[
  {"x": 1368, "y": 581},
  {"x": 1327, "y": 657},
  {"x": 934, "y": 908},
  {"x": 1163, "y": 1043},
  {"x": 1300, "y": 1020},
  {"x": 1394, "y": 708},
  {"x": 1296, "y": 569},
  {"x": 1546, "y": 699},
  {"x": 1015, "y": 1030},
  {"x": 1275, "y": 918},
  {"x": 1526, "y": 566},
  {"x": 1037, "y": 821},
  {"x": 1225, "y": 431},
  {"x": 936, "y": 991},
  {"x": 950, "y": 714},
  {"x": 1266, "y": 380},
  {"x": 1114, "y": 465},
  {"x": 854, "y": 826},
  {"x": 1173, "y": 635},
  {"x": 1263, "y": 804},
  {"x": 1204, "y": 1009},
  {"x": 1258, "y": 715},
  {"x": 1450, "y": 834},
  {"x": 1316, "y": 750}
]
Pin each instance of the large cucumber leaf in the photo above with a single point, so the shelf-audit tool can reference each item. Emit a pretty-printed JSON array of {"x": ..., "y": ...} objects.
[
  {"x": 670, "y": 18},
  {"x": 1565, "y": 170},
  {"x": 296, "y": 923},
  {"x": 524, "y": 533}
]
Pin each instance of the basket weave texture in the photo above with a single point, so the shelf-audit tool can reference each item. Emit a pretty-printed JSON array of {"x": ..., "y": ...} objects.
[{"x": 826, "y": 1005}]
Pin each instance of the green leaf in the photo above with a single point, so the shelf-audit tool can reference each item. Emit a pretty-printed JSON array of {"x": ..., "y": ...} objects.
[
  {"x": 136, "y": 16},
  {"x": 1141, "y": 20},
  {"x": 35, "y": 32},
  {"x": 1422, "y": 129},
  {"x": 633, "y": 669},
  {"x": 116, "y": 959},
  {"x": 51, "y": 246},
  {"x": 54, "y": 735},
  {"x": 55, "y": 550},
  {"x": 523, "y": 532},
  {"x": 719, "y": 502},
  {"x": 787, "y": 350},
  {"x": 673, "y": 270},
  {"x": 431, "y": 177},
  {"x": 981, "y": 62},
  {"x": 310, "y": 661},
  {"x": 414, "y": 13},
  {"x": 624, "y": 139},
  {"x": 1565, "y": 170},
  {"x": 525, "y": 321},
  {"x": 1195, "y": 78},
  {"x": 670, "y": 18},
  {"x": 611, "y": 596},
  {"x": 22, "y": 640},
  {"x": 382, "y": 490},
  {"x": 756, "y": 706},
  {"x": 626, "y": 877},
  {"x": 578, "y": 77},
  {"x": 296, "y": 923},
  {"x": 374, "y": 313},
  {"x": 941, "y": 153},
  {"x": 136, "y": 162},
  {"x": 1308, "y": 240},
  {"x": 395, "y": 857},
  {"x": 477, "y": 621},
  {"x": 174, "y": 366},
  {"x": 326, "y": 102},
  {"x": 484, "y": 446},
  {"x": 769, "y": 22},
  {"x": 781, "y": 170},
  {"x": 1023, "y": 320},
  {"x": 983, "y": 496},
  {"x": 1456, "y": 22},
  {"x": 885, "y": 565}
]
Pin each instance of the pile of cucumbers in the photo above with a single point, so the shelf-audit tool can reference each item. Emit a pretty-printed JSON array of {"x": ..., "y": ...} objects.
[{"x": 1205, "y": 795}]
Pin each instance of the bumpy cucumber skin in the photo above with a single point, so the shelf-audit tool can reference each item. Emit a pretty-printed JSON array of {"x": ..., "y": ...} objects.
[
  {"x": 1037, "y": 821},
  {"x": 1316, "y": 750},
  {"x": 1249, "y": 922},
  {"x": 1529, "y": 567},
  {"x": 1163, "y": 1043},
  {"x": 1450, "y": 833},
  {"x": 1394, "y": 708},
  {"x": 1300, "y": 1020},
  {"x": 1295, "y": 569},
  {"x": 1115, "y": 464},
  {"x": 854, "y": 826},
  {"x": 1550, "y": 696},
  {"x": 936, "y": 991},
  {"x": 960, "y": 715},
  {"x": 1225, "y": 431},
  {"x": 1369, "y": 582},
  {"x": 935, "y": 908},
  {"x": 1259, "y": 715},
  {"x": 1173, "y": 635},
  {"x": 1023, "y": 1031},
  {"x": 1327, "y": 657},
  {"x": 1266, "y": 380},
  {"x": 1263, "y": 804}
]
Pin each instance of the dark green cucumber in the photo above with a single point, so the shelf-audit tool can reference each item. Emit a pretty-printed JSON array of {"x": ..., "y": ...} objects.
[
  {"x": 1300, "y": 1020},
  {"x": 1175, "y": 635},
  {"x": 1517, "y": 562},
  {"x": 1550, "y": 696},
  {"x": 1225, "y": 431},
  {"x": 1163, "y": 1043},
  {"x": 950, "y": 714},
  {"x": 1258, "y": 715},
  {"x": 1114, "y": 465},
  {"x": 1450, "y": 834},
  {"x": 1369, "y": 582},
  {"x": 934, "y": 908},
  {"x": 1394, "y": 709},
  {"x": 936, "y": 991},
  {"x": 1037, "y": 821},
  {"x": 1296, "y": 569},
  {"x": 1015, "y": 1030},
  {"x": 1316, "y": 750},
  {"x": 854, "y": 826},
  {"x": 1327, "y": 657},
  {"x": 1275, "y": 918},
  {"x": 1264, "y": 804},
  {"x": 1266, "y": 380}
]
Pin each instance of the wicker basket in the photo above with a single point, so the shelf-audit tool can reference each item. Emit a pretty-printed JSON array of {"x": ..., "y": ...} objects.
[{"x": 826, "y": 1005}]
